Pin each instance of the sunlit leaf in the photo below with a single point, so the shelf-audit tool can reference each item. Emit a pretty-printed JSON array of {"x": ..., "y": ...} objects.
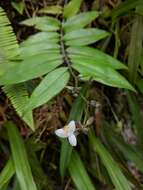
[
  {"x": 51, "y": 85},
  {"x": 72, "y": 8},
  {"x": 83, "y": 37},
  {"x": 79, "y": 21},
  {"x": 55, "y": 9}
]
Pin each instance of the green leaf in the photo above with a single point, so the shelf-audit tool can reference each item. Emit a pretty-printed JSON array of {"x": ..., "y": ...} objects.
[
  {"x": 8, "y": 44},
  {"x": 76, "y": 115},
  {"x": 130, "y": 152},
  {"x": 43, "y": 47},
  {"x": 125, "y": 7},
  {"x": 55, "y": 9},
  {"x": 118, "y": 179},
  {"x": 135, "y": 48},
  {"x": 95, "y": 56},
  {"x": 44, "y": 23},
  {"x": 51, "y": 85},
  {"x": 41, "y": 37},
  {"x": 79, "y": 21},
  {"x": 30, "y": 68},
  {"x": 19, "y": 97},
  {"x": 72, "y": 8},
  {"x": 83, "y": 37},
  {"x": 7, "y": 173},
  {"x": 78, "y": 173},
  {"x": 18, "y": 6},
  {"x": 20, "y": 159},
  {"x": 100, "y": 73},
  {"x": 136, "y": 116}
]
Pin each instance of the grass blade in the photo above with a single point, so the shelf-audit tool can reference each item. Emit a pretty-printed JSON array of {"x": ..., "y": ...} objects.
[
  {"x": 79, "y": 174},
  {"x": 20, "y": 159},
  {"x": 7, "y": 173}
]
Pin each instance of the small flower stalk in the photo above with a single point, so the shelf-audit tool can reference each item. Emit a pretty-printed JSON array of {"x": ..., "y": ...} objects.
[{"x": 68, "y": 132}]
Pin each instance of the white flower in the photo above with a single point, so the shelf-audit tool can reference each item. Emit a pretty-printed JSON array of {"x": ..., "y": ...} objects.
[{"x": 68, "y": 132}]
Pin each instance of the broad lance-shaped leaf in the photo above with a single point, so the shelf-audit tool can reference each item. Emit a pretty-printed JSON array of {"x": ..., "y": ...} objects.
[
  {"x": 79, "y": 21},
  {"x": 96, "y": 55},
  {"x": 51, "y": 85},
  {"x": 7, "y": 173},
  {"x": 39, "y": 49},
  {"x": 30, "y": 68},
  {"x": 20, "y": 158},
  {"x": 55, "y": 10},
  {"x": 118, "y": 179},
  {"x": 78, "y": 173},
  {"x": 40, "y": 37},
  {"x": 19, "y": 97},
  {"x": 82, "y": 37},
  {"x": 72, "y": 8},
  {"x": 76, "y": 115},
  {"x": 105, "y": 75},
  {"x": 44, "y": 23}
]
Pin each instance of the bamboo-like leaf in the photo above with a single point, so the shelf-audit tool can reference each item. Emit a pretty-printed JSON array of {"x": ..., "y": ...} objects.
[
  {"x": 76, "y": 115},
  {"x": 30, "y": 68},
  {"x": 20, "y": 159},
  {"x": 100, "y": 73},
  {"x": 7, "y": 173},
  {"x": 51, "y": 85},
  {"x": 72, "y": 8},
  {"x": 79, "y": 21},
  {"x": 19, "y": 97},
  {"x": 78, "y": 173},
  {"x": 44, "y": 23},
  {"x": 118, "y": 179},
  {"x": 83, "y": 37},
  {"x": 55, "y": 10},
  {"x": 40, "y": 37},
  {"x": 96, "y": 55}
]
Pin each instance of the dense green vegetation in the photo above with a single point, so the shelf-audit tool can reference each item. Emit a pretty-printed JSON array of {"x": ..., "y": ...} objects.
[{"x": 71, "y": 77}]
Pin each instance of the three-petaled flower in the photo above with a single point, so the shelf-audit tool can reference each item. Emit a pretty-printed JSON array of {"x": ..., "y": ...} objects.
[{"x": 68, "y": 132}]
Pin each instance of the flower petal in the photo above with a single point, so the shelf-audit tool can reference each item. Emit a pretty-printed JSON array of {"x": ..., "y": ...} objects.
[
  {"x": 71, "y": 128},
  {"x": 72, "y": 140},
  {"x": 61, "y": 133}
]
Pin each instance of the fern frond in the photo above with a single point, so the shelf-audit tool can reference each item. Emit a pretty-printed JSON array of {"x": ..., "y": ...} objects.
[
  {"x": 19, "y": 97},
  {"x": 9, "y": 49},
  {"x": 8, "y": 43}
]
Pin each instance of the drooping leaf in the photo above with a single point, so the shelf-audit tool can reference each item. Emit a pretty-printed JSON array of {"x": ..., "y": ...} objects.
[
  {"x": 72, "y": 8},
  {"x": 55, "y": 10},
  {"x": 20, "y": 159},
  {"x": 19, "y": 97},
  {"x": 44, "y": 23},
  {"x": 118, "y": 179},
  {"x": 100, "y": 73},
  {"x": 76, "y": 115},
  {"x": 30, "y": 68},
  {"x": 51, "y": 85},
  {"x": 82, "y": 37},
  {"x": 78, "y": 173},
  {"x": 99, "y": 57},
  {"x": 7, "y": 173},
  {"x": 79, "y": 21}
]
